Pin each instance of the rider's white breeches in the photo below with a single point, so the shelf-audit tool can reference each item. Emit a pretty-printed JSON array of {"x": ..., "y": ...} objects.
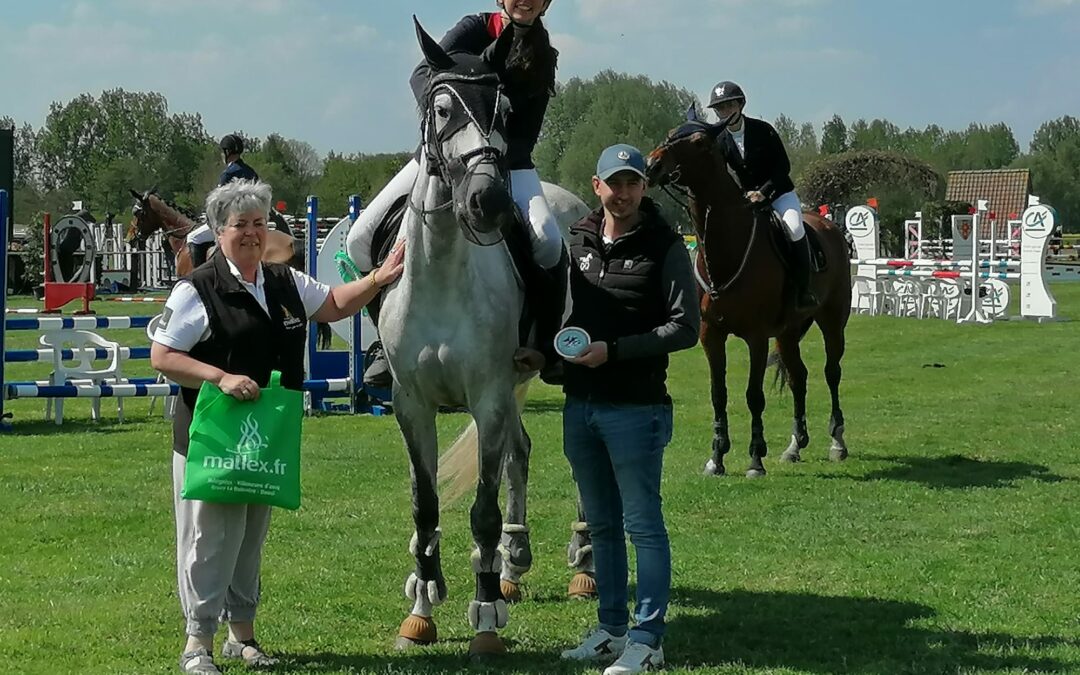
[
  {"x": 789, "y": 208},
  {"x": 203, "y": 234}
]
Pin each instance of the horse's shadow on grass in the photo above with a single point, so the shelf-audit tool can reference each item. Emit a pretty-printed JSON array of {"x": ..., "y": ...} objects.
[
  {"x": 827, "y": 634},
  {"x": 750, "y": 630},
  {"x": 957, "y": 471}
]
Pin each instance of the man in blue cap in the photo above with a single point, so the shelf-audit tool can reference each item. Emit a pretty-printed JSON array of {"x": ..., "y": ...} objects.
[{"x": 634, "y": 294}]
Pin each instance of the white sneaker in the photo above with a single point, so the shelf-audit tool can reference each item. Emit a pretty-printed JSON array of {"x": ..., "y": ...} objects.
[
  {"x": 637, "y": 658},
  {"x": 599, "y": 645}
]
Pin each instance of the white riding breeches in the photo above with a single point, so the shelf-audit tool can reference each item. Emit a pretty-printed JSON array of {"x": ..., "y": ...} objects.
[
  {"x": 202, "y": 234},
  {"x": 525, "y": 188},
  {"x": 789, "y": 208},
  {"x": 358, "y": 243}
]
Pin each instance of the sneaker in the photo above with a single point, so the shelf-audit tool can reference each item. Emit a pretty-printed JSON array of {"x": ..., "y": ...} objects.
[
  {"x": 198, "y": 662},
  {"x": 249, "y": 652},
  {"x": 599, "y": 645},
  {"x": 637, "y": 658}
]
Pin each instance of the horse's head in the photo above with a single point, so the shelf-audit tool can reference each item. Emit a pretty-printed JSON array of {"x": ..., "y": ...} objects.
[
  {"x": 464, "y": 134},
  {"x": 144, "y": 219},
  {"x": 689, "y": 155}
]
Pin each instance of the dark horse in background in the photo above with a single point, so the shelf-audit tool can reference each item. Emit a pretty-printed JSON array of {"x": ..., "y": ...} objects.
[{"x": 744, "y": 289}]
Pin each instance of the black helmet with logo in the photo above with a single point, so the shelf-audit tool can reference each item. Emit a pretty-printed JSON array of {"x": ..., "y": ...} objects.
[
  {"x": 231, "y": 144},
  {"x": 724, "y": 92}
]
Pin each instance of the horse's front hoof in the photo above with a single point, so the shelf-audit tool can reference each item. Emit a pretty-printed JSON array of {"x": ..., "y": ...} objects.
[
  {"x": 486, "y": 645},
  {"x": 838, "y": 454},
  {"x": 582, "y": 587},
  {"x": 714, "y": 468},
  {"x": 754, "y": 472},
  {"x": 416, "y": 631},
  {"x": 791, "y": 456},
  {"x": 511, "y": 591}
]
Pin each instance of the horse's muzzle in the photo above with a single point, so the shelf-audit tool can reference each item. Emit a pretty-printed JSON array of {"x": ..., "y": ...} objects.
[{"x": 489, "y": 206}]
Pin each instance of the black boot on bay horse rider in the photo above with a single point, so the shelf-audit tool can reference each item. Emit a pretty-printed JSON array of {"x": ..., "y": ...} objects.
[{"x": 756, "y": 154}]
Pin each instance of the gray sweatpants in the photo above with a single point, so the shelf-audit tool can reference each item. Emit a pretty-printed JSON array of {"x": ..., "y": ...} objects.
[{"x": 218, "y": 553}]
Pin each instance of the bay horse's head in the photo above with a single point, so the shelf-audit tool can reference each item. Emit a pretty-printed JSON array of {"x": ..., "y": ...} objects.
[
  {"x": 144, "y": 219},
  {"x": 150, "y": 213},
  {"x": 464, "y": 134},
  {"x": 689, "y": 155}
]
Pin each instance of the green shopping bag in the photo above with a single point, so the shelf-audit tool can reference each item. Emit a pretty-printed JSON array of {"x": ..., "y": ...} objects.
[{"x": 245, "y": 452}]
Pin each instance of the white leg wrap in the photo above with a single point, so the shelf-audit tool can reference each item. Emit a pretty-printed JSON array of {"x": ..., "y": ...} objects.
[
  {"x": 511, "y": 528},
  {"x": 424, "y": 594},
  {"x": 579, "y": 526},
  {"x": 488, "y": 617},
  {"x": 481, "y": 566},
  {"x": 579, "y": 556},
  {"x": 432, "y": 546}
]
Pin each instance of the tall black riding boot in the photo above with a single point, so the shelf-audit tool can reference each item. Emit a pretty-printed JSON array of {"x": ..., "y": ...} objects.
[
  {"x": 199, "y": 253},
  {"x": 805, "y": 299},
  {"x": 377, "y": 373}
]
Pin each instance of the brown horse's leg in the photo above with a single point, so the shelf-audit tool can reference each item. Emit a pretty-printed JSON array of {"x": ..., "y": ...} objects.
[
  {"x": 794, "y": 371},
  {"x": 755, "y": 400},
  {"x": 832, "y": 325},
  {"x": 714, "y": 340}
]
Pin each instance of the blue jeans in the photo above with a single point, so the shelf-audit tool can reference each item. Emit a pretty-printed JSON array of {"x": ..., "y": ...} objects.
[{"x": 617, "y": 453}]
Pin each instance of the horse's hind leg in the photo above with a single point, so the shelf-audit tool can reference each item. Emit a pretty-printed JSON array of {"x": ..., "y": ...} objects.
[
  {"x": 514, "y": 546},
  {"x": 497, "y": 426},
  {"x": 832, "y": 328},
  {"x": 755, "y": 401},
  {"x": 426, "y": 586},
  {"x": 579, "y": 557},
  {"x": 791, "y": 355}
]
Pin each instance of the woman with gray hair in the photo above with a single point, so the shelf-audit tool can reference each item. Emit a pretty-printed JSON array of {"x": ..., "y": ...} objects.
[{"x": 230, "y": 323}]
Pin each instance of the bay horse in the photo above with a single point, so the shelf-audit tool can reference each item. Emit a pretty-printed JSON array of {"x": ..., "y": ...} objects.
[
  {"x": 449, "y": 326},
  {"x": 744, "y": 290},
  {"x": 151, "y": 214}
]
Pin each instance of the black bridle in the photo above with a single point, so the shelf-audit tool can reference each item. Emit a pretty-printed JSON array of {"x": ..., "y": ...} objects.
[{"x": 456, "y": 172}]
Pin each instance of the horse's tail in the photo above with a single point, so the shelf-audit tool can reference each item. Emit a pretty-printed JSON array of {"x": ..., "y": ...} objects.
[
  {"x": 459, "y": 467},
  {"x": 781, "y": 379}
]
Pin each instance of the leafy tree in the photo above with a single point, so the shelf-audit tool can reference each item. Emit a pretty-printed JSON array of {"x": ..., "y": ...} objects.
[{"x": 834, "y": 136}]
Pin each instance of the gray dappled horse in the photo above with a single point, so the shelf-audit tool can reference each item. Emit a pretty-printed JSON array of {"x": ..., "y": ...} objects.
[{"x": 450, "y": 330}]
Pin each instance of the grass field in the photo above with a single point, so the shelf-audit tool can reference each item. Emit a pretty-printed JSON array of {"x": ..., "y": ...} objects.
[{"x": 948, "y": 543}]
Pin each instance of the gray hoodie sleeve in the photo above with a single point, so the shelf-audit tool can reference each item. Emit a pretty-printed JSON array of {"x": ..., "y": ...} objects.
[{"x": 680, "y": 331}]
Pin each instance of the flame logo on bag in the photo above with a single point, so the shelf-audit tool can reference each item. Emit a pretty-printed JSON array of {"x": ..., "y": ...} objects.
[{"x": 250, "y": 438}]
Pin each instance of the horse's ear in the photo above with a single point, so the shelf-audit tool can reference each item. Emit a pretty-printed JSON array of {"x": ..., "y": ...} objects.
[
  {"x": 153, "y": 191},
  {"x": 434, "y": 54},
  {"x": 136, "y": 195},
  {"x": 692, "y": 113},
  {"x": 497, "y": 53}
]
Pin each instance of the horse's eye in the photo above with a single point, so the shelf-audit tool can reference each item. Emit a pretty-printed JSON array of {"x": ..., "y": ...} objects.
[{"x": 443, "y": 112}]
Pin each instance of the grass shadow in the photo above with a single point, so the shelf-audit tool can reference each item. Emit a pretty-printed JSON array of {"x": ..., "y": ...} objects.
[
  {"x": 957, "y": 471},
  {"x": 828, "y": 634},
  {"x": 517, "y": 661},
  {"x": 43, "y": 427}
]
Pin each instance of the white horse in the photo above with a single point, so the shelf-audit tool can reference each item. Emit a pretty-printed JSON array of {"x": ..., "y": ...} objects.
[{"x": 450, "y": 330}]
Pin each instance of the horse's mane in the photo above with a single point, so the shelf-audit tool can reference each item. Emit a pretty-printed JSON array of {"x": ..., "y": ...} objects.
[{"x": 172, "y": 211}]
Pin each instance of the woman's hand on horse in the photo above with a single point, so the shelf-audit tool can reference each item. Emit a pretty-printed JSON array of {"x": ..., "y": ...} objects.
[
  {"x": 755, "y": 196},
  {"x": 240, "y": 387},
  {"x": 392, "y": 267},
  {"x": 593, "y": 356}
]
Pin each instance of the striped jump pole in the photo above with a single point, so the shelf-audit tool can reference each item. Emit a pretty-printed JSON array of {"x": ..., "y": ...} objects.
[
  {"x": 77, "y": 322},
  {"x": 46, "y": 355},
  {"x": 17, "y": 390}
]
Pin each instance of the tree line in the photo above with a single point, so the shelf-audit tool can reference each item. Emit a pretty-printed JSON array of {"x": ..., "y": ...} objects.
[{"x": 94, "y": 148}]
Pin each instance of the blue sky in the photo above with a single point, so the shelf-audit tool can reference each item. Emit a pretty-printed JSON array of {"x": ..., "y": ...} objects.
[{"x": 334, "y": 72}]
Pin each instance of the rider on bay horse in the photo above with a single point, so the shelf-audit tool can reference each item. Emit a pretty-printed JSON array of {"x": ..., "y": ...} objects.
[
  {"x": 755, "y": 152},
  {"x": 529, "y": 83},
  {"x": 201, "y": 238}
]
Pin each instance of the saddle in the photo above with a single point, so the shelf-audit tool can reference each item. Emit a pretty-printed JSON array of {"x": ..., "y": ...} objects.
[
  {"x": 534, "y": 278},
  {"x": 780, "y": 239}
]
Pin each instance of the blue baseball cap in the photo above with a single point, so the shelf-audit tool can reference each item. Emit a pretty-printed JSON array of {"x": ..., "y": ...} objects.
[{"x": 621, "y": 157}]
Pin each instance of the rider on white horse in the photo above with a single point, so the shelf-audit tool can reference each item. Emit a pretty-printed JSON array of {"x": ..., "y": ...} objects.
[
  {"x": 755, "y": 152},
  {"x": 529, "y": 84}
]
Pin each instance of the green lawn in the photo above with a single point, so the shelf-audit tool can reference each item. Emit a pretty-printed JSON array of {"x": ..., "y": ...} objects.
[{"x": 948, "y": 543}]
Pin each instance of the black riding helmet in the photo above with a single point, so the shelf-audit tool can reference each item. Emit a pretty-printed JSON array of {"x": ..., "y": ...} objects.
[
  {"x": 726, "y": 91},
  {"x": 231, "y": 144}
]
